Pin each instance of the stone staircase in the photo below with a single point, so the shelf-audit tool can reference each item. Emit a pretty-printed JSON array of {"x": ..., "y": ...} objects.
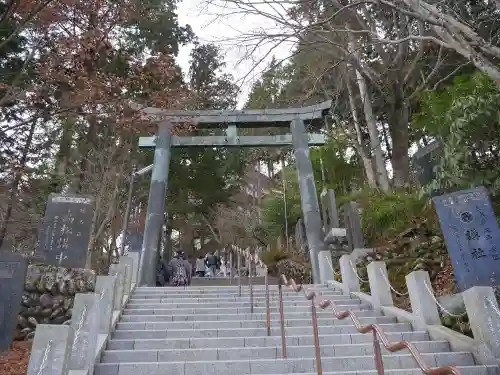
[{"x": 211, "y": 331}]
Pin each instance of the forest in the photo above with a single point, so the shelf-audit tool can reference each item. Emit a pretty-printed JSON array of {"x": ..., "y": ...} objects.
[{"x": 401, "y": 75}]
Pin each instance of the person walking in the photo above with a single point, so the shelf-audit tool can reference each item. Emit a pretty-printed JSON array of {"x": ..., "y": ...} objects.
[
  {"x": 200, "y": 266},
  {"x": 182, "y": 270},
  {"x": 211, "y": 262}
]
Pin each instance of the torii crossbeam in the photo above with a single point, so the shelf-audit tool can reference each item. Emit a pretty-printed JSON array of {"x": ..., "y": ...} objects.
[{"x": 294, "y": 118}]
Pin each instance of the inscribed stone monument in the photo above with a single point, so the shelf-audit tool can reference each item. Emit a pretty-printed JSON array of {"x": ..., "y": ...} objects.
[
  {"x": 85, "y": 323},
  {"x": 472, "y": 235},
  {"x": 65, "y": 233},
  {"x": 352, "y": 223},
  {"x": 424, "y": 162},
  {"x": 12, "y": 275}
]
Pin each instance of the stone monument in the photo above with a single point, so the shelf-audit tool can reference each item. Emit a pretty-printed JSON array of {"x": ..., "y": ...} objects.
[
  {"x": 64, "y": 236},
  {"x": 13, "y": 268},
  {"x": 472, "y": 235}
]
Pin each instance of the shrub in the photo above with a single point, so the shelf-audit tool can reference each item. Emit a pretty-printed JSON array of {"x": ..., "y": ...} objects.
[
  {"x": 271, "y": 259},
  {"x": 384, "y": 216}
]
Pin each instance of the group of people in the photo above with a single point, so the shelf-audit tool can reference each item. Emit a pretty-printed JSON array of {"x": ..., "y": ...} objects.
[
  {"x": 179, "y": 271},
  {"x": 209, "y": 265}
]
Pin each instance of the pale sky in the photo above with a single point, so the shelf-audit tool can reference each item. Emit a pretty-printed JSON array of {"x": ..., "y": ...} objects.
[{"x": 211, "y": 23}]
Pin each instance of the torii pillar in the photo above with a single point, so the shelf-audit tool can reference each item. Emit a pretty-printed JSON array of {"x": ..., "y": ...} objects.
[
  {"x": 156, "y": 205},
  {"x": 319, "y": 254}
]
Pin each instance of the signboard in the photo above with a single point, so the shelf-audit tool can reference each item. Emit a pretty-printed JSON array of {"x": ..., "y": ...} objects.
[
  {"x": 65, "y": 233},
  {"x": 12, "y": 275},
  {"x": 425, "y": 160},
  {"x": 472, "y": 235}
]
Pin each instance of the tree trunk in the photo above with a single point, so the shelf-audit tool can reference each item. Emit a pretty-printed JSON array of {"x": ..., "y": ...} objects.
[
  {"x": 367, "y": 164},
  {"x": 87, "y": 144},
  {"x": 15, "y": 183},
  {"x": 400, "y": 140},
  {"x": 63, "y": 156},
  {"x": 381, "y": 171}
]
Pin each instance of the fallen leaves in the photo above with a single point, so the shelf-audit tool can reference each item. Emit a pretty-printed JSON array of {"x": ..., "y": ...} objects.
[{"x": 15, "y": 361}]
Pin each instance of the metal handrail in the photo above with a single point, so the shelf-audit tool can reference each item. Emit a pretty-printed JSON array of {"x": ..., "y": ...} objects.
[
  {"x": 378, "y": 334},
  {"x": 255, "y": 259}
]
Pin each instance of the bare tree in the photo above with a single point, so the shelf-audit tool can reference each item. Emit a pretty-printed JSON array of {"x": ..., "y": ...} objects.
[
  {"x": 236, "y": 225},
  {"x": 393, "y": 49}
]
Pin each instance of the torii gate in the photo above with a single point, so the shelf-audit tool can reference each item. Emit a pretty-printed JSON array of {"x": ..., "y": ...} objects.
[{"x": 294, "y": 118}]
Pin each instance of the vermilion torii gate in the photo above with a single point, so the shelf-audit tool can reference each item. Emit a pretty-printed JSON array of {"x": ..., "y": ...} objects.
[{"x": 294, "y": 118}]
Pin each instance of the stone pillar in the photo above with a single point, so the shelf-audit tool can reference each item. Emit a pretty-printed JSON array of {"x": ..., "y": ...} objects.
[
  {"x": 423, "y": 305},
  {"x": 333, "y": 213},
  {"x": 350, "y": 282},
  {"x": 156, "y": 206},
  {"x": 51, "y": 350},
  {"x": 105, "y": 289},
  {"x": 352, "y": 223},
  {"x": 329, "y": 210},
  {"x": 310, "y": 206},
  {"x": 484, "y": 319},
  {"x": 127, "y": 264},
  {"x": 135, "y": 266},
  {"x": 115, "y": 270},
  {"x": 85, "y": 321},
  {"x": 324, "y": 211},
  {"x": 379, "y": 287}
]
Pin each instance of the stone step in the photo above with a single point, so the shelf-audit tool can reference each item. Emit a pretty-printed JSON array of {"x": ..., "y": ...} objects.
[
  {"x": 464, "y": 370},
  {"x": 234, "y": 293},
  {"x": 273, "y": 352},
  {"x": 230, "y": 293},
  {"x": 269, "y": 341},
  {"x": 164, "y": 310},
  {"x": 221, "y": 289},
  {"x": 236, "y": 317},
  {"x": 159, "y": 305},
  {"x": 212, "y": 299},
  {"x": 280, "y": 366},
  {"x": 138, "y": 326},
  {"x": 259, "y": 303},
  {"x": 247, "y": 332}
]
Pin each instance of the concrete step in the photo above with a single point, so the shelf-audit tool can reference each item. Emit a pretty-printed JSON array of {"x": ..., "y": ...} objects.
[
  {"x": 237, "y": 317},
  {"x": 247, "y": 332},
  {"x": 219, "y": 324},
  {"x": 165, "y": 310},
  {"x": 212, "y": 299},
  {"x": 273, "y": 352},
  {"x": 221, "y": 281},
  {"x": 280, "y": 366},
  {"x": 159, "y": 305},
  {"x": 218, "y": 293},
  {"x": 465, "y": 370},
  {"x": 229, "y": 289},
  {"x": 304, "y": 303},
  {"x": 267, "y": 341}
]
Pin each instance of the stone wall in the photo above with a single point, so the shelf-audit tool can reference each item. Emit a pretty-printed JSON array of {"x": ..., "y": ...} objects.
[{"x": 48, "y": 296}]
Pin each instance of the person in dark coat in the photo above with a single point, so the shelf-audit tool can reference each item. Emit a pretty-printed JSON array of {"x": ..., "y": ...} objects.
[{"x": 211, "y": 262}]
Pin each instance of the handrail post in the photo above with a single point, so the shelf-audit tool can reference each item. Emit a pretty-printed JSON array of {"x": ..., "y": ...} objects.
[
  {"x": 239, "y": 273},
  {"x": 282, "y": 320},
  {"x": 317, "y": 350},
  {"x": 268, "y": 308},
  {"x": 231, "y": 267},
  {"x": 379, "y": 363},
  {"x": 250, "y": 284}
]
